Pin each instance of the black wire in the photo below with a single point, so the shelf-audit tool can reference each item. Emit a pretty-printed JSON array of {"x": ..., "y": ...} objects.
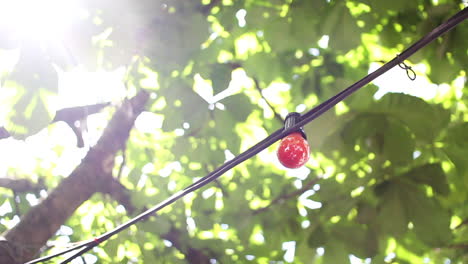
[
  {"x": 306, "y": 118},
  {"x": 72, "y": 248}
]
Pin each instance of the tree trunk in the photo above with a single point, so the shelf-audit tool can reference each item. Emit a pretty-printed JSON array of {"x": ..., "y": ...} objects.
[{"x": 41, "y": 222}]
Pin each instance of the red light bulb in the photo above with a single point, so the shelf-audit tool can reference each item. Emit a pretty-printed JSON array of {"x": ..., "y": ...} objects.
[{"x": 293, "y": 151}]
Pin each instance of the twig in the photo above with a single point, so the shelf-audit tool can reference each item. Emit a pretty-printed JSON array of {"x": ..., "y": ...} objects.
[
  {"x": 464, "y": 222},
  {"x": 223, "y": 190},
  {"x": 193, "y": 255},
  {"x": 462, "y": 246},
  {"x": 195, "y": 132},
  {"x": 257, "y": 87},
  {"x": 288, "y": 196}
]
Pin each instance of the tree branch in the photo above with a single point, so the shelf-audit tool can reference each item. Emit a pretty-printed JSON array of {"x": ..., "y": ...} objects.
[
  {"x": 288, "y": 196},
  {"x": 193, "y": 255},
  {"x": 257, "y": 87},
  {"x": 72, "y": 114},
  {"x": 460, "y": 246},
  {"x": 236, "y": 65},
  {"x": 75, "y": 117},
  {"x": 41, "y": 222},
  {"x": 119, "y": 193},
  {"x": 20, "y": 185}
]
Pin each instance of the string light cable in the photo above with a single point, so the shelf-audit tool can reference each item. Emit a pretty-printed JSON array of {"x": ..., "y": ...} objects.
[{"x": 265, "y": 143}]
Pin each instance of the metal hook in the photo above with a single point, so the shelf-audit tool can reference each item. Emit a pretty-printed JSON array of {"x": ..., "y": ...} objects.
[{"x": 409, "y": 71}]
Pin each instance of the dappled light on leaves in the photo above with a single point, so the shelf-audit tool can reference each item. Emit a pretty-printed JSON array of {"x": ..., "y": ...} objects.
[{"x": 386, "y": 181}]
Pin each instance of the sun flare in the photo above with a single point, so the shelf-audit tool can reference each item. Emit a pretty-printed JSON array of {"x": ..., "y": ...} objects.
[{"x": 44, "y": 20}]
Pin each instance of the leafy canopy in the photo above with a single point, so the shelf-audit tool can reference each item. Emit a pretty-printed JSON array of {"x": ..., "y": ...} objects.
[{"x": 393, "y": 170}]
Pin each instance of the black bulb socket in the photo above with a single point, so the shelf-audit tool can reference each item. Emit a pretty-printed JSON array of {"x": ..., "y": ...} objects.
[{"x": 292, "y": 119}]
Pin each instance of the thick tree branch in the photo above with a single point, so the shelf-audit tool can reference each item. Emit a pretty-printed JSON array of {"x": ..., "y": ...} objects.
[
  {"x": 72, "y": 114},
  {"x": 75, "y": 117},
  {"x": 19, "y": 185},
  {"x": 6, "y": 252},
  {"x": 42, "y": 221}
]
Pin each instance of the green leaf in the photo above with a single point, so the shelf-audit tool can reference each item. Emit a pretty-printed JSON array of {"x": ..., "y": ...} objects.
[
  {"x": 263, "y": 66},
  {"x": 184, "y": 105},
  {"x": 443, "y": 70},
  {"x": 432, "y": 175},
  {"x": 317, "y": 238},
  {"x": 204, "y": 209},
  {"x": 174, "y": 38},
  {"x": 227, "y": 17},
  {"x": 239, "y": 106},
  {"x": 34, "y": 70},
  {"x": 342, "y": 29},
  {"x": 335, "y": 252},
  {"x": 275, "y": 31},
  {"x": 383, "y": 7},
  {"x": 431, "y": 221},
  {"x": 367, "y": 131},
  {"x": 360, "y": 241},
  {"x": 458, "y": 134},
  {"x": 31, "y": 114},
  {"x": 425, "y": 120},
  {"x": 398, "y": 144},
  {"x": 337, "y": 208},
  {"x": 304, "y": 253},
  {"x": 304, "y": 19},
  {"x": 35, "y": 81},
  {"x": 159, "y": 225},
  {"x": 392, "y": 215},
  {"x": 257, "y": 16},
  {"x": 322, "y": 127},
  {"x": 225, "y": 128},
  {"x": 112, "y": 246},
  {"x": 220, "y": 77},
  {"x": 459, "y": 156},
  {"x": 456, "y": 147},
  {"x": 363, "y": 100}
]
